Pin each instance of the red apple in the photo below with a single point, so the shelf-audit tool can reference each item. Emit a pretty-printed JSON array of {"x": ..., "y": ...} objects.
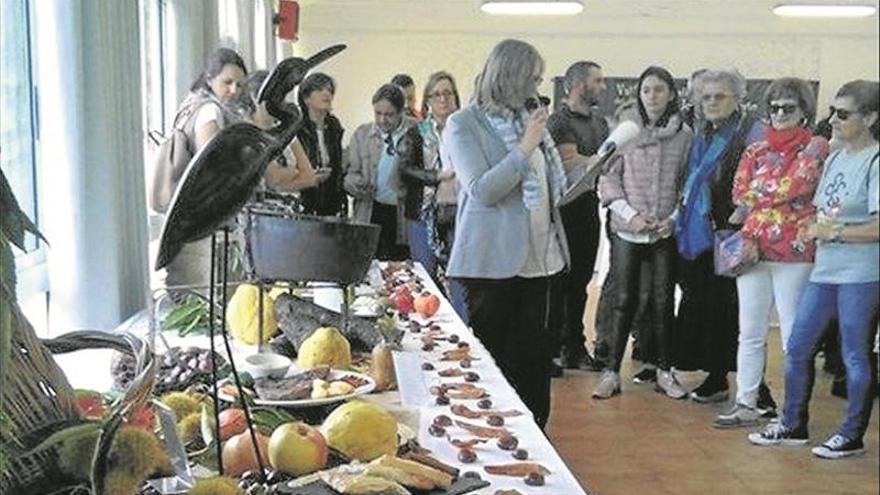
[
  {"x": 427, "y": 304},
  {"x": 403, "y": 301},
  {"x": 297, "y": 449}
]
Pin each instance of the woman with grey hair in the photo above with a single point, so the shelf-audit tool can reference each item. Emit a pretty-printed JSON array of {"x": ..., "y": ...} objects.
[
  {"x": 509, "y": 240},
  {"x": 708, "y": 312},
  {"x": 772, "y": 189}
]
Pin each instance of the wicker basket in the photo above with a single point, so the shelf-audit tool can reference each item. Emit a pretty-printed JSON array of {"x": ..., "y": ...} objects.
[{"x": 38, "y": 399}]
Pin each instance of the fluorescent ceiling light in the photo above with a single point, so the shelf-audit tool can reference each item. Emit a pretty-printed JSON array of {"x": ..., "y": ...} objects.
[
  {"x": 823, "y": 10},
  {"x": 547, "y": 7}
]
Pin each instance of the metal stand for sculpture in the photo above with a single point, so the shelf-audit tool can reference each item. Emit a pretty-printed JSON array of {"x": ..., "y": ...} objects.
[{"x": 218, "y": 182}]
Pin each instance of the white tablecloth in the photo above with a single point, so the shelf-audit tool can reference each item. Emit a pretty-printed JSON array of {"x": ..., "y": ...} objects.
[{"x": 90, "y": 369}]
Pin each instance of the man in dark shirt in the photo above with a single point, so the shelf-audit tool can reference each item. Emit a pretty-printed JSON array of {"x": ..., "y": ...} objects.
[{"x": 578, "y": 132}]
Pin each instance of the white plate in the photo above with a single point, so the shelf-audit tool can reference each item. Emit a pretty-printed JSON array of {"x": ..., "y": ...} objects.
[{"x": 334, "y": 375}]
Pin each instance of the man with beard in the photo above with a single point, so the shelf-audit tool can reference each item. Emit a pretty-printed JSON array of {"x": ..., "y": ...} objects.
[{"x": 578, "y": 131}]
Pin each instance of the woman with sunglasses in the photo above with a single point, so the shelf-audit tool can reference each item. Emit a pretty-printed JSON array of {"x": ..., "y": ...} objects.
[
  {"x": 379, "y": 152},
  {"x": 773, "y": 189},
  {"x": 440, "y": 100},
  {"x": 845, "y": 281},
  {"x": 707, "y": 316}
]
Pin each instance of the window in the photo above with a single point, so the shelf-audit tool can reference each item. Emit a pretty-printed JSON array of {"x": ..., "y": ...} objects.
[{"x": 18, "y": 129}]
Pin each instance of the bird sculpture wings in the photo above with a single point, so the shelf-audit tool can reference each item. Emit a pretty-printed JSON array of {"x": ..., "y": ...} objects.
[{"x": 223, "y": 175}]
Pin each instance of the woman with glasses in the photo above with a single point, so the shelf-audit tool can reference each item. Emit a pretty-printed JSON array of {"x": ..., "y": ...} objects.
[
  {"x": 773, "y": 189},
  {"x": 509, "y": 239},
  {"x": 321, "y": 138},
  {"x": 845, "y": 280},
  {"x": 707, "y": 316},
  {"x": 379, "y": 152},
  {"x": 641, "y": 188},
  {"x": 440, "y": 100}
]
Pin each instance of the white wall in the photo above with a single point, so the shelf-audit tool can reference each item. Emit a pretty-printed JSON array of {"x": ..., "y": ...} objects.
[{"x": 422, "y": 36}]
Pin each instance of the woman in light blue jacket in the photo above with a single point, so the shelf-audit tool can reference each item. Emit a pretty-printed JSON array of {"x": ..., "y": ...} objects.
[{"x": 509, "y": 240}]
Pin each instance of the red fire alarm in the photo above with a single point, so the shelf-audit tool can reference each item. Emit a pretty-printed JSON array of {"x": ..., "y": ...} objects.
[{"x": 287, "y": 20}]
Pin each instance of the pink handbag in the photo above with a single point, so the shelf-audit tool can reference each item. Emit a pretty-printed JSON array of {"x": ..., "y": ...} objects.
[{"x": 734, "y": 253}]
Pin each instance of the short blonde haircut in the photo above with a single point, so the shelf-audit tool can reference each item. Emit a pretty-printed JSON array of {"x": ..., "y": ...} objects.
[{"x": 507, "y": 75}]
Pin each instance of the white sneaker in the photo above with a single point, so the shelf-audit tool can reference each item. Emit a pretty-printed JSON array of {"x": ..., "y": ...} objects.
[
  {"x": 609, "y": 385},
  {"x": 667, "y": 383}
]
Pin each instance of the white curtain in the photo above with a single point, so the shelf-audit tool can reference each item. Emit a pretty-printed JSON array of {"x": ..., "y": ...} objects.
[
  {"x": 191, "y": 33},
  {"x": 246, "y": 26},
  {"x": 90, "y": 151}
]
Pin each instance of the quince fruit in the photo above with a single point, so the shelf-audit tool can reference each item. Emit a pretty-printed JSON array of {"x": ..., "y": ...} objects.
[
  {"x": 326, "y": 346},
  {"x": 361, "y": 430},
  {"x": 242, "y": 313}
]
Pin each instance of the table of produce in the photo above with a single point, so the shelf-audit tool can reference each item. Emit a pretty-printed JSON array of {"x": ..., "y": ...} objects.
[{"x": 398, "y": 398}]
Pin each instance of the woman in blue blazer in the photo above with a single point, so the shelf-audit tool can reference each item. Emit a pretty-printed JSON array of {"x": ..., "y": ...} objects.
[{"x": 509, "y": 240}]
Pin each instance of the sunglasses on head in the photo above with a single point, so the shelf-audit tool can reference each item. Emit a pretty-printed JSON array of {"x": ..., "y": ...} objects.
[
  {"x": 786, "y": 108},
  {"x": 841, "y": 113},
  {"x": 390, "y": 149}
]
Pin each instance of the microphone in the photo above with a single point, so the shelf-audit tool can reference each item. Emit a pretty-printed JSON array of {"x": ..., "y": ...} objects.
[{"x": 625, "y": 132}]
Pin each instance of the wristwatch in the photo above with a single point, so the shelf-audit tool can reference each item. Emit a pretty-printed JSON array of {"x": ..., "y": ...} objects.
[{"x": 836, "y": 232}]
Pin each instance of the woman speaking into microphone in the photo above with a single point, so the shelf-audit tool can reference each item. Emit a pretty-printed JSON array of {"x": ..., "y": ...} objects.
[{"x": 509, "y": 240}]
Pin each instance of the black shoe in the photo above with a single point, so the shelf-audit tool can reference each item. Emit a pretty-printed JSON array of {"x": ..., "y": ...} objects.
[
  {"x": 838, "y": 387},
  {"x": 646, "y": 375},
  {"x": 838, "y": 446},
  {"x": 713, "y": 389},
  {"x": 556, "y": 370},
  {"x": 766, "y": 405},
  {"x": 578, "y": 361}
]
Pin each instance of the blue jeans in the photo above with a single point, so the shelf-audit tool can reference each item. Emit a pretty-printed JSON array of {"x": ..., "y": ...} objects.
[
  {"x": 856, "y": 306},
  {"x": 419, "y": 249}
]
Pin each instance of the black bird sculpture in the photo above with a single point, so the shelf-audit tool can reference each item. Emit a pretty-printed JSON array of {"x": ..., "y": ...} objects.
[{"x": 222, "y": 176}]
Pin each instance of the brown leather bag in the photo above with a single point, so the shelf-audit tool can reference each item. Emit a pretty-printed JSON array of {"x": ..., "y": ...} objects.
[{"x": 171, "y": 156}]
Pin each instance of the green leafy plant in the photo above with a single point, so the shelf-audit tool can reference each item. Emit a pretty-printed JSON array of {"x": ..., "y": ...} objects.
[{"x": 13, "y": 226}]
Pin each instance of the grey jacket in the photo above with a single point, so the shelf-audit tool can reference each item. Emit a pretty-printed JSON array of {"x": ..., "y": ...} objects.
[
  {"x": 364, "y": 153},
  {"x": 492, "y": 224}
]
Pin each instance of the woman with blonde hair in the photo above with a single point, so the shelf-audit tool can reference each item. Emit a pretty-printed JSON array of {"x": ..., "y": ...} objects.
[{"x": 509, "y": 239}]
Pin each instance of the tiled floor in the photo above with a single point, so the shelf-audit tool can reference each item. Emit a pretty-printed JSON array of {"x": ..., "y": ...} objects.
[{"x": 643, "y": 443}]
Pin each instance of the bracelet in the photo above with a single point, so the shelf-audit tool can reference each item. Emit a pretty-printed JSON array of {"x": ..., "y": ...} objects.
[{"x": 836, "y": 232}]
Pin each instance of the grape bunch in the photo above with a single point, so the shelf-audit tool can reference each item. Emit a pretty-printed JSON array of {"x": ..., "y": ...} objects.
[{"x": 179, "y": 368}]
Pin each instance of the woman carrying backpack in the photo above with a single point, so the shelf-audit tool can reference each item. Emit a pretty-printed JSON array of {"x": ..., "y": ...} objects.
[{"x": 203, "y": 113}]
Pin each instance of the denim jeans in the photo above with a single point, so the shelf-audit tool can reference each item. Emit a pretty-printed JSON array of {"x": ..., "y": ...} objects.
[
  {"x": 856, "y": 306},
  {"x": 419, "y": 249}
]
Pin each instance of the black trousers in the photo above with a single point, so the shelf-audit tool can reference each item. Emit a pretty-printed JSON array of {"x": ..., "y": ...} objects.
[
  {"x": 580, "y": 218},
  {"x": 629, "y": 260},
  {"x": 707, "y": 323},
  {"x": 385, "y": 216},
  {"x": 509, "y": 316}
]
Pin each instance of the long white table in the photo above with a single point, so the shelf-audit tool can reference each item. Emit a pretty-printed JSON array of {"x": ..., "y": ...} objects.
[
  {"x": 560, "y": 482},
  {"x": 412, "y": 402}
]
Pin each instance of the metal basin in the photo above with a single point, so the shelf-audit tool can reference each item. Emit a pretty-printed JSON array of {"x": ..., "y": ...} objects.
[{"x": 302, "y": 248}]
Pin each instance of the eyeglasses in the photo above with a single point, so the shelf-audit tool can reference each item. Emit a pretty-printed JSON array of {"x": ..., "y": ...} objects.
[
  {"x": 446, "y": 95},
  {"x": 716, "y": 97},
  {"x": 785, "y": 108},
  {"x": 841, "y": 113}
]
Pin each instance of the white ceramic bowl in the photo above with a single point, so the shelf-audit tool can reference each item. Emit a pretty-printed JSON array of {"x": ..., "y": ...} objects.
[{"x": 266, "y": 364}]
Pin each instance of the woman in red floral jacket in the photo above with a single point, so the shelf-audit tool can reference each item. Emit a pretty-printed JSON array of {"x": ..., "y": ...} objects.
[{"x": 773, "y": 189}]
